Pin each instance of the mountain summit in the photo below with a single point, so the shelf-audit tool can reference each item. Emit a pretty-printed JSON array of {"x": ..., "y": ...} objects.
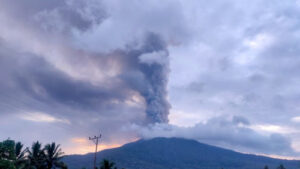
[{"x": 177, "y": 153}]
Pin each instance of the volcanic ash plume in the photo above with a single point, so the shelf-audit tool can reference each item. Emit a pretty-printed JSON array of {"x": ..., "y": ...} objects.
[
  {"x": 154, "y": 65},
  {"x": 146, "y": 72}
]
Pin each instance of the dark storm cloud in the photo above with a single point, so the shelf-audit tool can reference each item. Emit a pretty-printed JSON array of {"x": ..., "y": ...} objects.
[
  {"x": 42, "y": 81},
  {"x": 33, "y": 84},
  {"x": 59, "y": 17},
  {"x": 34, "y": 77}
]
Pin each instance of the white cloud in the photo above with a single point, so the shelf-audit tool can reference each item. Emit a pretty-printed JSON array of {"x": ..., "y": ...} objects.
[
  {"x": 274, "y": 129},
  {"x": 259, "y": 41},
  {"x": 184, "y": 119},
  {"x": 41, "y": 117},
  {"x": 154, "y": 57},
  {"x": 296, "y": 119}
]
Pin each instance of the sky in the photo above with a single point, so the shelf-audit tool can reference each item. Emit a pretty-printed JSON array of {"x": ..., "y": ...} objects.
[{"x": 225, "y": 73}]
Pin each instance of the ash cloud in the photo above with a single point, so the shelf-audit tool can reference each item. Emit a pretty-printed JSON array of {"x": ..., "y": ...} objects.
[
  {"x": 124, "y": 71},
  {"x": 45, "y": 72},
  {"x": 155, "y": 78}
]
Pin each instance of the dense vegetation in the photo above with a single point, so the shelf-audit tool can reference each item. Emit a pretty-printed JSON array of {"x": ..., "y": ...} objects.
[{"x": 14, "y": 156}]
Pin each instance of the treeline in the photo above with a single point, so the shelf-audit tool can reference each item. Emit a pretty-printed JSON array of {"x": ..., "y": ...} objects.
[
  {"x": 106, "y": 164},
  {"x": 14, "y": 156},
  {"x": 279, "y": 167}
]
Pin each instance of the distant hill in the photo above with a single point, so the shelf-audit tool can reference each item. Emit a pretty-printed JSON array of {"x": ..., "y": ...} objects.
[{"x": 177, "y": 153}]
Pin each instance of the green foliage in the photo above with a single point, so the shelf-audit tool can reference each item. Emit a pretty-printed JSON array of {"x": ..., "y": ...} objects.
[
  {"x": 7, "y": 150},
  {"x": 36, "y": 156},
  {"x": 46, "y": 158},
  {"x": 7, "y": 154},
  {"x": 5, "y": 164},
  {"x": 53, "y": 155},
  {"x": 13, "y": 156},
  {"x": 20, "y": 160}
]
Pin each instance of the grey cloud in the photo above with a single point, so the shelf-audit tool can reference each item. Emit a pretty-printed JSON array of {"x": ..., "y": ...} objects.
[
  {"x": 56, "y": 17},
  {"x": 225, "y": 132},
  {"x": 156, "y": 74},
  {"x": 31, "y": 84},
  {"x": 45, "y": 83},
  {"x": 37, "y": 79},
  {"x": 80, "y": 15},
  {"x": 152, "y": 81},
  {"x": 265, "y": 83},
  {"x": 68, "y": 15}
]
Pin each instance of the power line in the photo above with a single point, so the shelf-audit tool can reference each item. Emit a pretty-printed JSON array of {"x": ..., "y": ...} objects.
[{"x": 95, "y": 139}]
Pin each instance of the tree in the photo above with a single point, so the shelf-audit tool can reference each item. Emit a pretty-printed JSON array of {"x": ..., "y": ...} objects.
[
  {"x": 4, "y": 164},
  {"x": 106, "y": 164},
  {"x": 7, "y": 154},
  {"x": 13, "y": 156},
  {"x": 266, "y": 167},
  {"x": 36, "y": 156},
  {"x": 281, "y": 166},
  {"x": 53, "y": 155},
  {"x": 20, "y": 160}
]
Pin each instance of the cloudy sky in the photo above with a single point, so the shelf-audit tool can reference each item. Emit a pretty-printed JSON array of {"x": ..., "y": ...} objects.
[{"x": 224, "y": 73}]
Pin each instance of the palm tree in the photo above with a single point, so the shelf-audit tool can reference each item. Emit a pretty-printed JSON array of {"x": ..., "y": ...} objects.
[
  {"x": 20, "y": 159},
  {"x": 36, "y": 156},
  {"x": 53, "y": 156},
  {"x": 105, "y": 164}
]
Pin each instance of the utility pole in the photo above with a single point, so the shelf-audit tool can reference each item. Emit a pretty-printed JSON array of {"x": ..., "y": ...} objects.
[{"x": 95, "y": 139}]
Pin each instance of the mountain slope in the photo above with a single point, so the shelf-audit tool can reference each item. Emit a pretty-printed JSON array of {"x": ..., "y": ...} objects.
[{"x": 177, "y": 153}]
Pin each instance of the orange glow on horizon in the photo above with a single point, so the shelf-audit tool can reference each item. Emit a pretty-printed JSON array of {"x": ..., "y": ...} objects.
[
  {"x": 79, "y": 140},
  {"x": 84, "y": 146},
  {"x": 84, "y": 149}
]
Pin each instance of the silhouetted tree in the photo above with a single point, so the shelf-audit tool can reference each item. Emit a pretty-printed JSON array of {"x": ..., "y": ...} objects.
[
  {"x": 281, "y": 166},
  {"x": 53, "y": 156},
  {"x": 13, "y": 156},
  {"x": 106, "y": 164},
  {"x": 266, "y": 167},
  {"x": 20, "y": 161},
  {"x": 36, "y": 156}
]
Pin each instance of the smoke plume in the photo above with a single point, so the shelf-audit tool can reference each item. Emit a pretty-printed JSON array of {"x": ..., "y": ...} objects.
[{"x": 152, "y": 64}]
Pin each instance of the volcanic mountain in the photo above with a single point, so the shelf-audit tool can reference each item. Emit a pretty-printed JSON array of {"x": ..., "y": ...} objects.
[{"x": 177, "y": 153}]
